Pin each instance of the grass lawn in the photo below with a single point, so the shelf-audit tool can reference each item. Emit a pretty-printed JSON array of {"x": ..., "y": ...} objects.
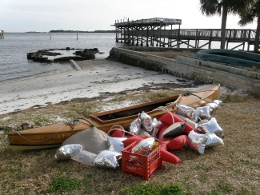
[{"x": 232, "y": 169}]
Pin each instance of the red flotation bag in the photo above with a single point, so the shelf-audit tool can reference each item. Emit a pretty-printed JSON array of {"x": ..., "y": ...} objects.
[{"x": 169, "y": 118}]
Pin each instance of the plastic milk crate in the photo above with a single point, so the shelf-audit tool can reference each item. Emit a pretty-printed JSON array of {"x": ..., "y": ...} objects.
[{"x": 140, "y": 165}]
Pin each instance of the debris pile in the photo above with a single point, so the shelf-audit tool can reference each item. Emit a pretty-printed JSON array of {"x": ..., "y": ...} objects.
[{"x": 187, "y": 127}]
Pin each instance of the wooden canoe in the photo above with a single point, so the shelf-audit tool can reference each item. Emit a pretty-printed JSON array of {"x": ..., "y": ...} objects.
[{"x": 56, "y": 134}]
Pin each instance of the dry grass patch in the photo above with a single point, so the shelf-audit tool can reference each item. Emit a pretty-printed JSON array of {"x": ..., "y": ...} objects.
[{"x": 255, "y": 92}]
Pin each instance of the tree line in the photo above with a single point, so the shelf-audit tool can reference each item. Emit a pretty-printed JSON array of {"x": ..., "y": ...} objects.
[{"x": 82, "y": 31}]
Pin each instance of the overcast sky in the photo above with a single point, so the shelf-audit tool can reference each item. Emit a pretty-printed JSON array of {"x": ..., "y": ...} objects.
[{"x": 46, "y": 15}]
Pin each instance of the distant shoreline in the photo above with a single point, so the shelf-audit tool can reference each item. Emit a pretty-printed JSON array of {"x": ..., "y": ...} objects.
[
  {"x": 82, "y": 31},
  {"x": 74, "y": 31}
]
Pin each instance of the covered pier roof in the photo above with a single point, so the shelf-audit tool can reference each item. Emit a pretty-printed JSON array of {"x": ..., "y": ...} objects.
[{"x": 148, "y": 22}]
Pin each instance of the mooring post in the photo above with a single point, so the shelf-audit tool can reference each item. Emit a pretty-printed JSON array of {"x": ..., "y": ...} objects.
[
  {"x": 249, "y": 39},
  {"x": 1, "y": 34},
  {"x": 178, "y": 39},
  {"x": 210, "y": 39}
]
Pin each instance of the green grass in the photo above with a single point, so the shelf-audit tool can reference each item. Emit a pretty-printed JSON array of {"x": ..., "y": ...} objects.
[
  {"x": 151, "y": 189},
  {"x": 64, "y": 183},
  {"x": 224, "y": 186},
  {"x": 41, "y": 120}
]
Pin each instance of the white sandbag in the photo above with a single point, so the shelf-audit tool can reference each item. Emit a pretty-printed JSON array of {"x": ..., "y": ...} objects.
[
  {"x": 85, "y": 157},
  {"x": 92, "y": 140}
]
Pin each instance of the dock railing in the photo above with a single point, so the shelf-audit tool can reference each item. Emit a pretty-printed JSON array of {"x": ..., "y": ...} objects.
[{"x": 184, "y": 36}]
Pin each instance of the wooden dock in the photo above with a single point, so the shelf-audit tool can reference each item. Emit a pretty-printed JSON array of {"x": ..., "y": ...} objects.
[{"x": 159, "y": 32}]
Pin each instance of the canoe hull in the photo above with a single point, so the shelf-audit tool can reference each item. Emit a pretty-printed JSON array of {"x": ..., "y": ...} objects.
[
  {"x": 21, "y": 148},
  {"x": 56, "y": 134}
]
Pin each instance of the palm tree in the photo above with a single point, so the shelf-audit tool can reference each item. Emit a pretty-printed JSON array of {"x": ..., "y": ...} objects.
[
  {"x": 247, "y": 16},
  {"x": 223, "y": 7}
]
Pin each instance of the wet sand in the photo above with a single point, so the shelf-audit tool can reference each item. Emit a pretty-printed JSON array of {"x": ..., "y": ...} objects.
[{"x": 96, "y": 77}]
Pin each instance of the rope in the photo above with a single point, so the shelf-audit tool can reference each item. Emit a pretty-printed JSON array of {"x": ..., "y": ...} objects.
[
  {"x": 171, "y": 116},
  {"x": 115, "y": 127},
  {"x": 72, "y": 124},
  {"x": 190, "y": 93},
  {"x": 122, "y": 129},
  {"x": 86, "y": 119},
  {"x": 40, "y": 140}
]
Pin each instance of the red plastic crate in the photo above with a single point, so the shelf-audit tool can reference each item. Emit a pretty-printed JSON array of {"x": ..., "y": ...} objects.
[{"x": 140, "y": 165}]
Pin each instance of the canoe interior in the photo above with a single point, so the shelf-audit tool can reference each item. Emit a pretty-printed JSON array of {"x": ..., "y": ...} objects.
[
  {"x": 202, "y": 97},
  {"x": 134, "y": 110}
]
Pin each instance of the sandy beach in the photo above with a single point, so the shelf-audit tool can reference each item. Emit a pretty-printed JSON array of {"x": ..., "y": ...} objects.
[{"x": 96, "y": 77}]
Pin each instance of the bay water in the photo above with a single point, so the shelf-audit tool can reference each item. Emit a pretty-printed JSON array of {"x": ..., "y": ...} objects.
[{"x": 15, "y": 46}]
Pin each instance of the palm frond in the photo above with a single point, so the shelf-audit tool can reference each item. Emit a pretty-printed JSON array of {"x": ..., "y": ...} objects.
[
  {"x": 209, "y": 7},
  {"x": 246, "y": 19}
]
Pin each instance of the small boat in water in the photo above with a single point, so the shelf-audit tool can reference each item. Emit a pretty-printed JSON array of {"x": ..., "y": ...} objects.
[{"x": 54, "y": 135}]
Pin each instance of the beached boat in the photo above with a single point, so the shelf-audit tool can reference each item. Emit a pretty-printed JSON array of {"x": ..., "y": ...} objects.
[
  {"x": 233, "y": 57},
  {"x": 53, "y": 135}
]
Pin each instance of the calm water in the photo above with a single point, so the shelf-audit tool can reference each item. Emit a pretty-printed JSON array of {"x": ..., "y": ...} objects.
[{"x": 15, "y": 46}]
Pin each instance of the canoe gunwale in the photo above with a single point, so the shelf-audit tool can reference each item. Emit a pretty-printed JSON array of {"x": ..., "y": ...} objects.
[
  {"x": 173, "y": 100},
  {"x": 170, "y": 100}
]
